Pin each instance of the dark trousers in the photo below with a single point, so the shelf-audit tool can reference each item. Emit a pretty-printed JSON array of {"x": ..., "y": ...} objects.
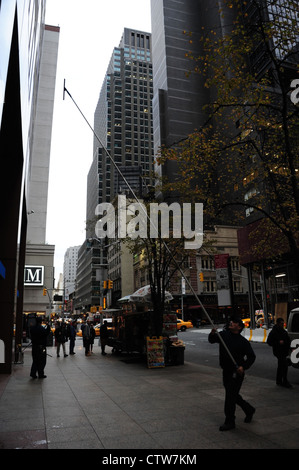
[
  {"x": 86, "y": 344},
  {"x": 103, "y": 344},
  {"x": 232, "y": 383},
  {"x": 72, "y": 345},
  {"x": 39, "y": 360},
  {"x": 282, "y": 370}
]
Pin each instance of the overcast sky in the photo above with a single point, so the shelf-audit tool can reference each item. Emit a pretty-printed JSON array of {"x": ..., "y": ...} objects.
[{"x": 89, "y": 31}]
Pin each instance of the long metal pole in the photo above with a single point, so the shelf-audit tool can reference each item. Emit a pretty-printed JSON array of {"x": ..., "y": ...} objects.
[{"x": 165, "y": 245}]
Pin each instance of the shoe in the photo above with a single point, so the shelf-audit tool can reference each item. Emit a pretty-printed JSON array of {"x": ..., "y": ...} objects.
[
  {"x": 43, "y": 377},
  {"x": 227, "y": 427},
  {"x": 286, "y": 384},
  {"x": 248, "y": 416},
  {"x": 66, "y": 355},
  {"x": 58, "y": 355},
  {"x": 33, "y": 376}
]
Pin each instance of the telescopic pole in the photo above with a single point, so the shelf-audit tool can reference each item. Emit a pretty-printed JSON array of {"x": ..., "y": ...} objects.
[{"x": 165, "y": 245}]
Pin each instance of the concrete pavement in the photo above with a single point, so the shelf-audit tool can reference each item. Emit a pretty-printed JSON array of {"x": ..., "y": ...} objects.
[{"x": 110, "y": 402}]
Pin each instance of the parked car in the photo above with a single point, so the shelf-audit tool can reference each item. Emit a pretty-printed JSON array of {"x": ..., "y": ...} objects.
[
  {"x": 183, "y": 325},
  {"x": 293, "y": 332},
  {"x": 293, "y": 324}
]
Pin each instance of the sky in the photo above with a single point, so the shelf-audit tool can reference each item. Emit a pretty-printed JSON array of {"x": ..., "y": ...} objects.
[{"x": 89, "y": 31}]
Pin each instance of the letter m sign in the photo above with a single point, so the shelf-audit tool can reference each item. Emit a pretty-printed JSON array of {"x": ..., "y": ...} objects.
[{"x": 34, "y": 276}]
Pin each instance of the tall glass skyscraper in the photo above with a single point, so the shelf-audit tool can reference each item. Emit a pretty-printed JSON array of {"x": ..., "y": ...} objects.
[
  {"x": 123, "y": 118},
  {"x": 123, "y": 122}
]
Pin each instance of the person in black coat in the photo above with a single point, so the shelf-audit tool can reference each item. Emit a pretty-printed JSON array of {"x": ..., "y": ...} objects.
[
  {"x": 39, "y": 336},
  {"x": 72, "y": 332},
  {"x": 104, "y": 335},
  {"x": 280, "y": 342},
  {"x": 233, "y": 376},
  {"x": 61, "y": 337}
]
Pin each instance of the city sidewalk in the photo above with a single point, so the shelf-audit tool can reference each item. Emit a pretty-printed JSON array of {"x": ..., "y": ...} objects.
[{"x": 110, "y": 402}]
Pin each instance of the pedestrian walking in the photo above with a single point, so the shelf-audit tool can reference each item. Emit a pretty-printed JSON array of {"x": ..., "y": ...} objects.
[
  {"x": 280, "y": 342},
  {"x": 92, "y": 337},
  {"x": 104, "y": 334},
  {"x": 72, "y": 332},
  {"x": 233, "y": 377},
  {"x": 61, "y": 338},
  {"x": 86, "y": 337},
  {"x": 39, "y": 336}
]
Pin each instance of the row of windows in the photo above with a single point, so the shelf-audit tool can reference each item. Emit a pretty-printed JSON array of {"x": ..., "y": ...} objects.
[
  {"x": 140, "y": 40},
  {"x": 210, "y": 285},
  {"x": 207, "y": 262}
]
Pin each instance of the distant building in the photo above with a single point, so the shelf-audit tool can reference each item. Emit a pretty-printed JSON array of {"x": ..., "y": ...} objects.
[
  {"x": 123, "y": 123},
  {"x": 70, "y": 270}
]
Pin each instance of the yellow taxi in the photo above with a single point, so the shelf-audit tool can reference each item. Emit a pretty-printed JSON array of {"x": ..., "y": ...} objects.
[
  {"x": 183, "y": 325},
  {"x": 97, "y": 327}
]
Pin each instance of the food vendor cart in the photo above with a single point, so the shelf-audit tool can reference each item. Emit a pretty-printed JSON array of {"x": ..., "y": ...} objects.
[{"x": 133, "y": 331}]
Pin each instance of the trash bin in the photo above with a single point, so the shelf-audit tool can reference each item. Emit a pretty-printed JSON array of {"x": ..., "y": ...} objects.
[{"x": 177, "y": 354}]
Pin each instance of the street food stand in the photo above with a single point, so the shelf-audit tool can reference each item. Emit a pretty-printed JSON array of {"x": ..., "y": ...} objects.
[{"x": 133, "y": 331}]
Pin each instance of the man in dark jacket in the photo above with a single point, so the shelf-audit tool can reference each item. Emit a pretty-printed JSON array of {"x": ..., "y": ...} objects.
[
  {"x": 233, "y": 372},
  {"x": 104, "y": 335},
  {"x": 72, "y": 332},
  {"x": 61, "y": 337},
  {"x": 39, "y": 350},
  {"x": 280, "y": 341}
]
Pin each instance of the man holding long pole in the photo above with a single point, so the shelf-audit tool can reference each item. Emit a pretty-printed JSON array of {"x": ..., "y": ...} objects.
[{"x": 233, "y": 373}]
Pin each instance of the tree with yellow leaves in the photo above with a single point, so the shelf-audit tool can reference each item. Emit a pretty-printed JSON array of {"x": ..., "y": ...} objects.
[{"x": 243, "y": 163}]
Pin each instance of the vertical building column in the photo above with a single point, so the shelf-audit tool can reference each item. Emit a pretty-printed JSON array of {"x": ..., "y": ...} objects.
[{"x": 11, "y": 199}]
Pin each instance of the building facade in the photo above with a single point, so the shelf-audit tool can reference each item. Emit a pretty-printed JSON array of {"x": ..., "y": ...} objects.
[
  {"x": 21, "y": 36},
  {"x": 178, "y": 99},
  {"x": 123, "y": 124},
  {"x": 38, "y": 252},
  {"x": 123, "y": 116},
  {"x": 176, "y": 90},
  {"x": 70, "y": 266}
]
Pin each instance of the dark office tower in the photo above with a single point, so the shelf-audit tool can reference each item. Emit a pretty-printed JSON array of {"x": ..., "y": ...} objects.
[
  {"x": 281, "y": 14},
  {"x": 178, "y": 97},
  {"x": 123, "y": 117}
]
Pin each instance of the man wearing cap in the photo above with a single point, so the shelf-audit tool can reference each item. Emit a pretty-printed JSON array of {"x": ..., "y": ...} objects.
[
  {"x": 39, "y": 336},
  {"x": 233, "y": 372}
]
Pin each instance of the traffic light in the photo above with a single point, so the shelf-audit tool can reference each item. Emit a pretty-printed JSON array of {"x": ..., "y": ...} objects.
[
  {"x": 44, "y": 292},
  {"x": 201, "y": 278},
  {"x": 110, "y": 284},
  {"x": 104, "y": 303},
  {"x": 104, "y": 284}
]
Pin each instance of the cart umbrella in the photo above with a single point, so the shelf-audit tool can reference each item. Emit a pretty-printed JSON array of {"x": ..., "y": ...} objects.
[{"x": 144, "y": 295}]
